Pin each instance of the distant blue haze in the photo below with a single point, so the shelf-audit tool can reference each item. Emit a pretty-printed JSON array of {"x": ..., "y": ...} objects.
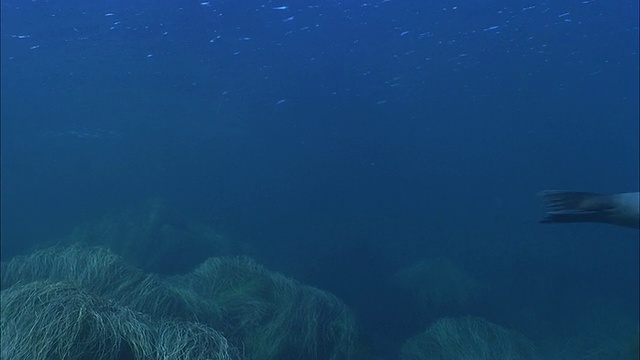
[{"x": 342, "y": 140}]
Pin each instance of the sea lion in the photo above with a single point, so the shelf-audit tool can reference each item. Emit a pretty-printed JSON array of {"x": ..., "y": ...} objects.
[{"x": 572, "y": 206}]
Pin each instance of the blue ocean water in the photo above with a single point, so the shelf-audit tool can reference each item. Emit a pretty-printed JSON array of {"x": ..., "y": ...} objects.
[{"x": 342, "y": 141}]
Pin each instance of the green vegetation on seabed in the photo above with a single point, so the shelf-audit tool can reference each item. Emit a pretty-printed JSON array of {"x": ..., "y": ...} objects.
[
  {"x": 467, "y": 338},
  {"x": 154, "y": 237},
  {"x": 54, "y": 320},
  {"x": 87, "y": 303},
  {"x": 474, "y": 338},
  {"x": 437, "y": 284},
  {"x": 273, "y": 315}
]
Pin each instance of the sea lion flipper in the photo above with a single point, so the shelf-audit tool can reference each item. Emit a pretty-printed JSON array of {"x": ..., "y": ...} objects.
[{"x": 575, "y": 206}]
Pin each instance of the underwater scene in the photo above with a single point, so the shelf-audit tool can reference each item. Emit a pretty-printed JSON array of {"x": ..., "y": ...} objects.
[{"x": 319, "y": 180}]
